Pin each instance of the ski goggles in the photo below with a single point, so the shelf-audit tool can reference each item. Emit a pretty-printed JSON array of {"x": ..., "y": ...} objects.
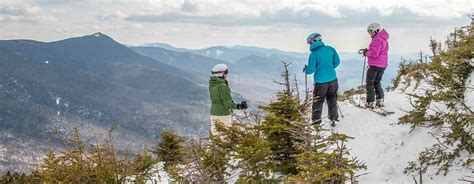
[{"x": 219, "y": 72}]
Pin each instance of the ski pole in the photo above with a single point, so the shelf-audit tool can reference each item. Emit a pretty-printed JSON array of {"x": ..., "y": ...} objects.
[
  {"x": 340, "y": 112},
  {"x": 306, "y": 86},
  {"x": 362, "y": 80}
]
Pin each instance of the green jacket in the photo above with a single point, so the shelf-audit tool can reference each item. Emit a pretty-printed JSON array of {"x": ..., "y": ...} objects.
[{"x": 221, "y": 101}]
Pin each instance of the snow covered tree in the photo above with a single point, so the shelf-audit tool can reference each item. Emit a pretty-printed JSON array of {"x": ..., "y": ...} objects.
[{"x": 442, "y": 104}]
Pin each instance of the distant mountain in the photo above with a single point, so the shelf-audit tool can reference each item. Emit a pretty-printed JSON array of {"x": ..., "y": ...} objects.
[
  {"x": 183, "y": 60},
  {"x": 271, "y": 51},
  {"x": 91, "y": 82},
  {"x": 227, "y": 54},
  {"x": 165, "y": 46},
  {"x": 232, "y": 54},
  {"x": 259, "y": 65}
]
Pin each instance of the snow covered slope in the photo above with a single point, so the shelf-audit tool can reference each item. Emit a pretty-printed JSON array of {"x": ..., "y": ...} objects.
[{"x": 387, "y": 147}]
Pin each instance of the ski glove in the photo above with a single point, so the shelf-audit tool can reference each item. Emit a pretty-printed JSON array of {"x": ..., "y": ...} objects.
[
  {"x": 363, "y": 51},
  {"x": 304, "y": 69},
  {"x": 242, "y": 105}
]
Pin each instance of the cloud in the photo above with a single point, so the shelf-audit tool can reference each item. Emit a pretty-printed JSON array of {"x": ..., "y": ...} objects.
[
  {"x": 18, "y": 11},
  {"x": 111, "y": 16},
  {"x": 303, "y": 13}
]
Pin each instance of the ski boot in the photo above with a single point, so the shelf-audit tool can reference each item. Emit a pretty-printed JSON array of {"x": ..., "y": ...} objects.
[
  {"x": 379, "y": 103},
  {"x": 333, "y": 122},
  {"x": 370, "y": 105}
]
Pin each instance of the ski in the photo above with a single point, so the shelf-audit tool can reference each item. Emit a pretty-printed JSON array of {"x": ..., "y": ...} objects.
[
  {"x": 385, "y": 110},
  {"x": 382, "y": 113}
]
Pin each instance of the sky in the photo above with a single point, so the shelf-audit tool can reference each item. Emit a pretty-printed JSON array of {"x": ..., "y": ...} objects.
[{"x": 263, "y": 23}]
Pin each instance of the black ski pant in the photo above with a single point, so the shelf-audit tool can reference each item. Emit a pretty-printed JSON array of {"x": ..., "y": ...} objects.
[
  {"x": 325, "y": 92},
  {"x": 373, "y": 85}
]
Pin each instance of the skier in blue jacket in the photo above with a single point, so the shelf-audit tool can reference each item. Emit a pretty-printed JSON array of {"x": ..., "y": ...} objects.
[{"x": 323, "y": 61}]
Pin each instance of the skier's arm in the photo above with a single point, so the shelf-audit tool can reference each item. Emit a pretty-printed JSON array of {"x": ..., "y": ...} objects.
[
  {"x": 311, "y": 64},
  {"x": 227, "y": 98},
  {"x": 374, "y": 48},
  {"x": 335, "y": 59}
]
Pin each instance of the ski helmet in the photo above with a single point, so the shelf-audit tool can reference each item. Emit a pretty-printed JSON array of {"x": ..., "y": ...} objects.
[
  {"x": 313, "y": 37},
  {"x": 219, "y": 70},
  {"x": 373, "y": 28}
]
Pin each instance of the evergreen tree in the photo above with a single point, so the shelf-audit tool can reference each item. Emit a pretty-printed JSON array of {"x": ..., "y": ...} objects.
[
  {"x": 96, "y": 163},
  {"x": 216, "y": 158},
  {"x": 323, "y": 158},
  {"x": 250, "y": 151},
  {"x": 279, "y": 120},
  {"x": 170, "y": 149},
  {"x": 202, "y": 161}
]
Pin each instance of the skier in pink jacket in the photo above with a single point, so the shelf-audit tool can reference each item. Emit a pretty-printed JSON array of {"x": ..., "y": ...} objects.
[{"x": 377, "y": 56}]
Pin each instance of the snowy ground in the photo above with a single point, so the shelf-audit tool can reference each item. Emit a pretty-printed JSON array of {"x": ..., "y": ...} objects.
[{"x": 387, "y": 147}]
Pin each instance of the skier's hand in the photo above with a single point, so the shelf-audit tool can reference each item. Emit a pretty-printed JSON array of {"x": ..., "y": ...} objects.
[
  {"x": 304, "y": 69},
  {"x": 243, "y": 105},
  {"x": 362, "y": 51}
]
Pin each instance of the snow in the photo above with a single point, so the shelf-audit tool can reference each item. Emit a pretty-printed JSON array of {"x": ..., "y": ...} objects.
[
  {"x": 58, "y": 100},
  {"x": 47, "y": 62},
  {"x": 387, "y": 147},
  {"x": 97, "y": 34},
  {"x": 218, "y": 53}
]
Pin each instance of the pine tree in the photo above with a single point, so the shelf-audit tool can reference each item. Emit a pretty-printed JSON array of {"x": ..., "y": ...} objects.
[
  {"x": 249, "y": 150},
  {"x": 216, "y": 158},
  {"x": 99, "y": 162},
  {"x": 277, "y": 124},
  {"x": 204, "y": 160},
  {"x": 170, "y": 149},
  {"x": 324, "y": 158}
]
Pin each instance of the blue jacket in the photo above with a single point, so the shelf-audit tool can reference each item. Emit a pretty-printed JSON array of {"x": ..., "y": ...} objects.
[{"x": 322, "y": 61}]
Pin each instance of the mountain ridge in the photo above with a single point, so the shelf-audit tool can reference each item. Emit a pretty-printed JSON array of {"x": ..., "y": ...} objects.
[{"x": 94, "y": 83}]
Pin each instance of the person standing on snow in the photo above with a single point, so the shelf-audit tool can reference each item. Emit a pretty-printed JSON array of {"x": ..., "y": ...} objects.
[
  {"x": 222, "y": 104},
  {"x": 377, "y": 55},
  {"x": 323, "y": 61}
]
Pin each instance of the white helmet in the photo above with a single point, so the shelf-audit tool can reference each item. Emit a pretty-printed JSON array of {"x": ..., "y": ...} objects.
[
  {"x": 373, "y": 28},
  {"x": 219, "y": 70}
]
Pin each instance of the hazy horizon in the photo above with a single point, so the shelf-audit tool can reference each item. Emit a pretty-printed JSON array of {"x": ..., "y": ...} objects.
[{"x": 281, "y": 24}]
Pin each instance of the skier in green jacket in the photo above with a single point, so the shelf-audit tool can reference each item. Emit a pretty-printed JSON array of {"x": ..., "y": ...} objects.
[{"x": 222, "y": 104}]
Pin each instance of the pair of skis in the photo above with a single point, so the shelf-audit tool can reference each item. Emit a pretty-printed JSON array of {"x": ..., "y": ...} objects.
[{"x": 378, "y": 110}]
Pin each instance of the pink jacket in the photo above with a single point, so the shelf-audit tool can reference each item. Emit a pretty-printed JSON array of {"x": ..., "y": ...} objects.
[{"x": 378, "y": 50}]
